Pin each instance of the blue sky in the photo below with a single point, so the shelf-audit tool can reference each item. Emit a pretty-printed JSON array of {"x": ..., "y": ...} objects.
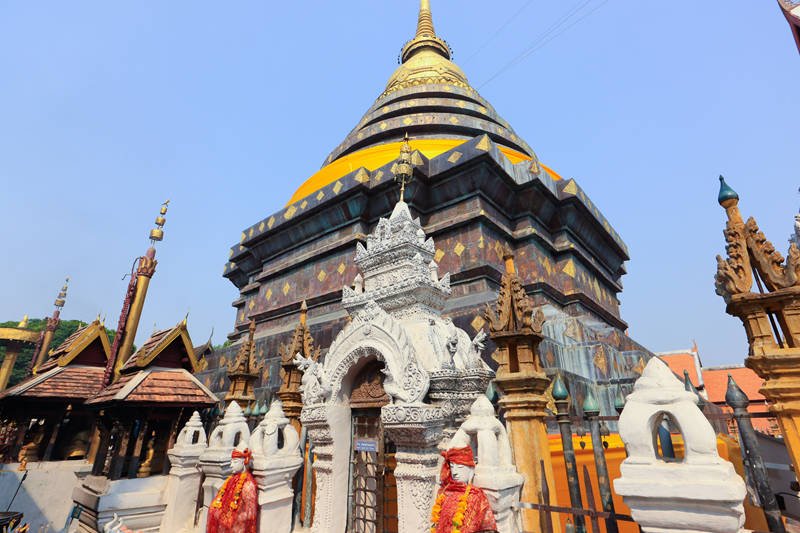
[{"x": 109, "y": 108}]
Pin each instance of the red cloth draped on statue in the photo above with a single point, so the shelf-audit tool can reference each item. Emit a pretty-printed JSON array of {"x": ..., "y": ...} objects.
[
  {"x": 460, "y": 507},
  {"x": 235, "y": 508}
]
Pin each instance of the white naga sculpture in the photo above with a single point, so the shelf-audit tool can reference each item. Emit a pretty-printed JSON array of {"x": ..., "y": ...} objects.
[
  {"x": 314, "y": 385},
  {"x": 702, "y": 492},
  {"x": 495, "y": 472}
]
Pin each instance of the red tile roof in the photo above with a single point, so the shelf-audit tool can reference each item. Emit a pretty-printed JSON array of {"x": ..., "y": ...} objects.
[
  {"x": 680, "y": 361},
  {"x": 74, "y": 382},
  {"x": 157, "y": 386},
  {"x": 716, "y": 379}
]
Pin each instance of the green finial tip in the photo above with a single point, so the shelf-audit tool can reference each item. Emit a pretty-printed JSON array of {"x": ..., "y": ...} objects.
[
  {"x": 560, "y": 391},
  {"x": 725, "y": 192},
  {"x": 590, "y": 404}
]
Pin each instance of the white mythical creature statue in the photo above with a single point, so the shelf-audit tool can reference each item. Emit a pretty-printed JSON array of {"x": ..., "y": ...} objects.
[{"x": 315, "y": 385}]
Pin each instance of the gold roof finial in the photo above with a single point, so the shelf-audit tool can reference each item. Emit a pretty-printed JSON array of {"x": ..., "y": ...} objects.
[
  {"x": 425, "y": 37},
  {"x": 403, "y": 170},
  {"x": 303, "y": 313},
  {"x": 425, "y": 21},
  {"x": 61, "y": 299},
  {"x": 24, "y": 323},
  {"x": 157, "y": 233}
]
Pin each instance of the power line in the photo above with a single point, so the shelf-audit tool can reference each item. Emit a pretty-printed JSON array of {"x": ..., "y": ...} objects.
[
  {"x": 546, "y": 37},
  {"x": 497, "y": 32}
]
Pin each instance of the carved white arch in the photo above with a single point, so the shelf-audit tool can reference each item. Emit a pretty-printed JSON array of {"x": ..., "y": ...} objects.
[{"x": 384, "y": 339}]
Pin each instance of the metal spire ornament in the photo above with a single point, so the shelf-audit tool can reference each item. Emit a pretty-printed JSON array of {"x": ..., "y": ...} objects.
[{"x": 403, "y": 170}]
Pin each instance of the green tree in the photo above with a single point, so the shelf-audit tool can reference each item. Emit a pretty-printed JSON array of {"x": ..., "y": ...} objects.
[{"x": 65, "y": 329}]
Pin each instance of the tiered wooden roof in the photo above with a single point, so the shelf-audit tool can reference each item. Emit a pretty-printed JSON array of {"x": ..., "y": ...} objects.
[
  {"x": 160, "y": 372},
  {"x": 73, "y": 371}
]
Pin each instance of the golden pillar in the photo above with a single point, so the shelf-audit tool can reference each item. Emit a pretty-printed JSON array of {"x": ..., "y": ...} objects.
[
  {"x": 144, "y": 272},
  {"x": 771, "y": 316},
  {"x": 50, "y": 328},
  {"x": 13, "y": 340},
  {"x": 12, "y": 352},
  {"x": 517, "y": 332}
]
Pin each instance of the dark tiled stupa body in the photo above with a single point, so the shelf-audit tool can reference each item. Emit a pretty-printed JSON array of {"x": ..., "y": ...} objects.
[{"x": 477, "y": 188}]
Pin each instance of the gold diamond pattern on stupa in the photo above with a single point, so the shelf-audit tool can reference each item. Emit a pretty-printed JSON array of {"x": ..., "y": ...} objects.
[
  {"x": 322, "y": 275},
  {"x": 477, "y": 323},
  {"x": 286, "y": 288},
  {"x": 271, "y": 222},
  {"x": 268, "y": 294},
  {"x": 290, "y": 212},
  {"x": 261, "y": 226},
  {"x": 304, "y": 204},
  {"x": 438, "y": 256},
  {"x": 362, "y": 176},
  {"x": 320, "y": 195},
  {"x": 337, "y": 187},
  {"x": 569, "y": 268},
  {"x": 454, "y": 157},
  {"x": 459, "y": 249},
  {"x": 341, "y": 268}
]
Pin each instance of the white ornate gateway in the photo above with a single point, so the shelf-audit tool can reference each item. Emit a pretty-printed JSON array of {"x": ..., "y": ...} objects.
[{"x": 397, "y": 380}]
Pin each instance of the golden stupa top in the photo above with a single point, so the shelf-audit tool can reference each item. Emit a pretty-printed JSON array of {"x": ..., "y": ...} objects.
[
  {"x": 428, "y": 97},
  {"x": 426, "y": 58}
]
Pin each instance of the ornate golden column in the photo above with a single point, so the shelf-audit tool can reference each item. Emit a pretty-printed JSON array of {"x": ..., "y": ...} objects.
[
  {"x": 144, "y": 272},
  {"x": 771, "y": 316},
  {"x": 13, "y": 340},
  {"x": 50, "y": 328},
  {"x": 517, "y": 332}
]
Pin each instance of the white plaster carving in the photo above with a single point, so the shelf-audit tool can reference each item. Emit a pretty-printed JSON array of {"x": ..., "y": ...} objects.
[
  {"x": 495, "y": 472},
  {"x": 180, "y": 496},
  {"x": 274, "y": 467},
  {"x": 314, "y": 385},
  {"x": 215, "y": 461},
  {"x": 701, "y": 493}
]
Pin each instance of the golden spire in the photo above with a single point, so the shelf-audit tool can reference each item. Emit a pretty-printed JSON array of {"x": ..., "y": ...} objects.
[
  {"x": 425, "y": 21},
  {"x": 61, "y": 299},
  {"x": 425, "y": 37},
  {"x": 303, "y": 313},
  {"x": 24, "y": 323},
  {"x": 157, "y": 233},
  {"x": 403, "y": 170}
]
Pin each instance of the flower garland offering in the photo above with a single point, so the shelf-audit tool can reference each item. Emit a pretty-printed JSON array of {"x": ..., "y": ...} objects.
[{"x": 458, "y": 516}]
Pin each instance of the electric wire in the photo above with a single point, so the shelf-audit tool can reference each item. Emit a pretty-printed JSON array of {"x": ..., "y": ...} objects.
[
  {"x": 498, "y": 31},
  {"x": 547, "y": 37}
]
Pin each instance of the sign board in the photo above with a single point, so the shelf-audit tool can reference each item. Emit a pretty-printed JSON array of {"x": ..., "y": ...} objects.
[{"x": 366, "y": 445}]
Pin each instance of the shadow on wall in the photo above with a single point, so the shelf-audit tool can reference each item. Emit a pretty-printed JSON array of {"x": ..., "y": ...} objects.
[{"x": 45, "y": 497}]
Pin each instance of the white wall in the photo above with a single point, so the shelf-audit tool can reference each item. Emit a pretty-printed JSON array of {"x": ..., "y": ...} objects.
[{"x": 45, "y": 496}]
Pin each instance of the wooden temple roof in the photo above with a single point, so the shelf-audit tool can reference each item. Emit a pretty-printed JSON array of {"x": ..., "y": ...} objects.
[
  {"x": 74, "y": 382},
  {"x": 87, "y": 345},
  {"x": 172, "y": 348},
  {"x": 156, "y": 385},
  {"x": 73, "y": 371},
  {"x": 160, "y": 373}
]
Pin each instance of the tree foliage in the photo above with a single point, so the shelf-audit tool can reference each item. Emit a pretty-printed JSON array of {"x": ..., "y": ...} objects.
[{"x": 65, "y": 329}]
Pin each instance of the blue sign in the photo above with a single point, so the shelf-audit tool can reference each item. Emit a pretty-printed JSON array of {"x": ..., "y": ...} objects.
[{"x": 366, "y": 445}]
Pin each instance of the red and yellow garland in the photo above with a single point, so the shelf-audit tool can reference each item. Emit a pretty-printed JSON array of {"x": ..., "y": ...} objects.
[
  {"x": 458, "y": 516},
  {"x": 237, "y": 491}
]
